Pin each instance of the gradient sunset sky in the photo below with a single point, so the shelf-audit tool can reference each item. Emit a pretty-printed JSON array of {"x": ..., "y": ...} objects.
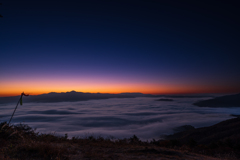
[{"x": 107, "y": 46}]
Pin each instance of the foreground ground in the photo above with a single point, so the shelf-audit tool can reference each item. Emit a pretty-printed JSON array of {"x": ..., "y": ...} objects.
[{"x": 20, "y": 142}]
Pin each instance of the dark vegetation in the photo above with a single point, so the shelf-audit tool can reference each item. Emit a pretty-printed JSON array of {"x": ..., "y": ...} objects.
[
  {"x": 220, "y": 141},
  {"x": 223, "y": 101}
]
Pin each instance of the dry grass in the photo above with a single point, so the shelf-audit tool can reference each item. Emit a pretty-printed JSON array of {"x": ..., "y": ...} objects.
[{"x": 20, "y": 142}]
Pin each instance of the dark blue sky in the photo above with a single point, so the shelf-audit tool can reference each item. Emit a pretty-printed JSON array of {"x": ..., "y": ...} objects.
[{"x": 190, "y": 45}]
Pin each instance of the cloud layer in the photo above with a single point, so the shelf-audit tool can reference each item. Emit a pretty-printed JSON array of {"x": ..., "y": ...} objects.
[{"x": 117, "y": 117}]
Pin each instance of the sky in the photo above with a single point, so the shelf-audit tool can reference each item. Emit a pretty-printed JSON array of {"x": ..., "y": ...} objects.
[{"x": 107, "y": 46}]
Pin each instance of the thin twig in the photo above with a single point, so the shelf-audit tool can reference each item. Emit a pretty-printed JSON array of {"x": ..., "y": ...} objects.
[{"x": 15, "y": 109}]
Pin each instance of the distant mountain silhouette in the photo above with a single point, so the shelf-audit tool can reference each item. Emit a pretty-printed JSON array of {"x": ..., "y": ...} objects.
[
  {"x": 80, "y": 96},
  {"x": 136, "y": 94},
  {"x": 71, "y": 97},
  {"x": 223, "y": 101}
]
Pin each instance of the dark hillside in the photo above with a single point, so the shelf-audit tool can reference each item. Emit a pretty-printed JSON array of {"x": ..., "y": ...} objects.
[
  {"x": 223, "y": 101},
  {"x": 228, "y": 130},
  {"x": 20, "y": 142}
]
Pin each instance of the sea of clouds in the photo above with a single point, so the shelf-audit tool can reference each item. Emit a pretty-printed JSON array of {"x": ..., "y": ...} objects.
[{"x": 117, "y": 117}]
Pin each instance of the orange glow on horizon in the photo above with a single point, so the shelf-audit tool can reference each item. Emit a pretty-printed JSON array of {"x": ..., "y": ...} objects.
[{"x": 12, "y": 88}]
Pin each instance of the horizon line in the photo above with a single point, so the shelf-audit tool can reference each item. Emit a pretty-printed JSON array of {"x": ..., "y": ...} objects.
[{"x": 160, "y": 93}]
